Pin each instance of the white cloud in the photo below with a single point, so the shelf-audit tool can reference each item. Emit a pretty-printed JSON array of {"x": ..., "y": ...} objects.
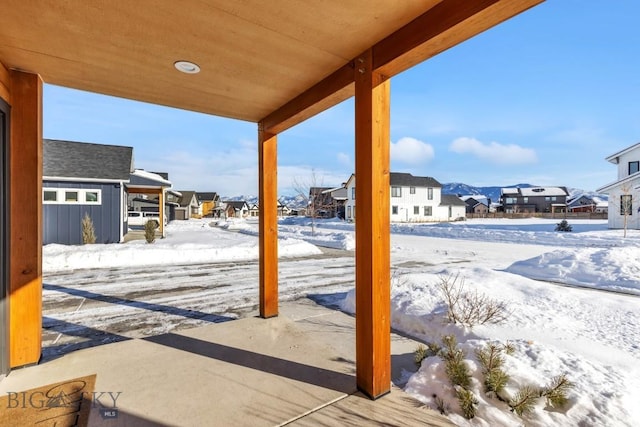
[
  {"x": 345, "y": 159},
  {"x": 412, "y": 151},
  {"x": 229, "y": 172},
  {"x": 494, "y": 152}
]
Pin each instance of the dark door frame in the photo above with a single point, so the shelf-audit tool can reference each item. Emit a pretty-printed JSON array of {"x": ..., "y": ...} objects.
[{"x": 4, "y": 237}]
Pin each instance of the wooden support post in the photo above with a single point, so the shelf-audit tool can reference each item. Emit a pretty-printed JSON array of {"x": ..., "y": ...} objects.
[
  {"x": 373, "y": 329},
  {"x": 268, "y": 204},
  {"x": 161, "y": 210},
  {"x": 25, "y": 164}
]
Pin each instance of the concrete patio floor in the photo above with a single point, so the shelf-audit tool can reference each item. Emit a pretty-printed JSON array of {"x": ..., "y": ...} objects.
[{"x": 296, "y": 369}]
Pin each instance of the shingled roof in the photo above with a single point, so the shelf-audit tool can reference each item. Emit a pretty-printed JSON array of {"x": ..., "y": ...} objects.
[
  {"x": 143, "y": 178},
  {"x": 185, "y": 200},
  {"x": 237, "y": 204},
  {"x": 206, "y": 196},
  {"x": 450, "y": 199},
  {"x": 82, "y": 160},
  {"x": 408, "y": 180}
]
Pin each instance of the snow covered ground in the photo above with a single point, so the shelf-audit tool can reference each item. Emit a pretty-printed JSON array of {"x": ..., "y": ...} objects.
[{"x": 564, "y": 317}]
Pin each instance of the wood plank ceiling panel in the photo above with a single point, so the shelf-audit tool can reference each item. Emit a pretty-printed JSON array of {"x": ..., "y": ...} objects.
[{"x": 254, "y": 55}]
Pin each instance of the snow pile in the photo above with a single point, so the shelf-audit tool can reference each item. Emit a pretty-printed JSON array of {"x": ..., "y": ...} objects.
[
  {"x": 321, "y": 234},
  {"x": 233, "y": 224},
  {"x": 186, "y": 242},
  {"x": 616, "y": 269},
  {"x": 555, "y": 330}
]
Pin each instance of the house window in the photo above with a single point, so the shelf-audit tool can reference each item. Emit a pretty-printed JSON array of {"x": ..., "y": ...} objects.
[
  {"x": 634, "y": 167},
  {"x": 412, "y": 190},
  {"x": 511, "y": 200},
  {"x": 50, "y": 196},
  {"x": 427, "y": 211},
  {"x": 91, "y": 196},
  {"x": 396, "y": 191},
  {"x": 626, "y": 204},
  {"x": 71, "y": 196},
  {"x": 416, "y": 210},
  {"x": 525, "y": 200},
  {"x": 394, "y": 210},
  {"x": 429, "y": 193},
  {"x": 353, "y": 193},
  {"x": 354, "y": 212},
  {"x": 348, "y": 212}
]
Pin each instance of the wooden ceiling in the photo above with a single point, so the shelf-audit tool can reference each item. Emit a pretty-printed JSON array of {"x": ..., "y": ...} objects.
[{"x": 277, "y": 61}]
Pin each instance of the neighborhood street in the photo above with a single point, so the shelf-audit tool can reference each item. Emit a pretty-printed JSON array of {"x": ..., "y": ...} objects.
[{"x": 84, "y": 308}]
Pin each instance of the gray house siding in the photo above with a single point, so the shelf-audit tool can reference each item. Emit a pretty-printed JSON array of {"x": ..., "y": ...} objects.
[
  {"x": 63, "y": 222},
  {"x": 534, "y": 204}
]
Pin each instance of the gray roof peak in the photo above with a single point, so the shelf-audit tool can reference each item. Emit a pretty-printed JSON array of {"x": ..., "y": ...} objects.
[
  {"x": 83, "y": 160},
  {"x": 408, "y": 180}
]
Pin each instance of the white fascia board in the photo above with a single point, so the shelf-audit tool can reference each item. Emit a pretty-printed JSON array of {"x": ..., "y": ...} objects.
[
  {"x": 614, "y": 157},
  {"x": 635, "y": 176},
  {"x": 67, "y": 179}
]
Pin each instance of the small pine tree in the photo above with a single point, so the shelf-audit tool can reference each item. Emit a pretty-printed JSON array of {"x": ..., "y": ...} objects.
[
  {"x": 468, "y": 402},
  {"x": 556, "y": 392},
  {"x": 495, "y": 380},
  {"x": 563, "y": 226},
  {"x": 455, "y": 368},
  {"x": 524, "y": 400},
  {"x": 150, "y": 231},
  {"x": 509, "y": 348},
  {"x": 491, "y": 359},
  {"x": 420, "y": 354},
  {"x": 88, "y": 230}
]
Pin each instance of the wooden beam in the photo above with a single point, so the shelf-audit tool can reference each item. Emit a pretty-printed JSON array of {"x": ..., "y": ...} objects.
[
  {"x": 161, "y": 211},
  {"x": 373, "y": 312},
  {"x": 268, "y": 225},
  {"x": 330, "y": 91},
  {"x": 144, "y": 190},
  {"x": 4, "y": 84},
  {"x": 435, "y": 21},
  {"x": 25, "y": 164},
  {"x": 445, "y": 25}
]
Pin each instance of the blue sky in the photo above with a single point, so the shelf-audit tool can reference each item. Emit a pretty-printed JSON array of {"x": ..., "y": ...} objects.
[{"x": 540, "y": 99}]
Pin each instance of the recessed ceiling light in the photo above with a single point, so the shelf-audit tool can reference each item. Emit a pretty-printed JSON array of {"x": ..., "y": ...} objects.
[{"x": 187, "y": 67}]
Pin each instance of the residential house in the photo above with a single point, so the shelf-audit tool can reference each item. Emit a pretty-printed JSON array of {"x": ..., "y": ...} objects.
[
  {"x": 283, "y": 210},
  {"x": 236, "y": 209},
  {"x": 209, "y": 201},
  {"x": 254, "y": 210},
  {"x": 320, "y": 202},
  {"x": 146, "y": 189},
  {"x": 585, "y": 203},
  {"x": 534, "y": 199},
  {"x": 173, "y": 200},
  {"x": 338, "y": 198},
  {"x": 189, "y": 206},
  {"x": 478, "y": 205},
  {"x": 624, "y": 192},
  {"x": 83, "y": 178},
  {"x": 413, "y": 199}
]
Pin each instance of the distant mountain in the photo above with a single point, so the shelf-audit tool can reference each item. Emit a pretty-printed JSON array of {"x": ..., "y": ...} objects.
[
  {"x": 576, "y": 192},
  {"x": 249, "y": 199},
  {"x": 493, "y": 193},
  {"x": 290, "y": 201},
  {"x": 456, "y": 188}
]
